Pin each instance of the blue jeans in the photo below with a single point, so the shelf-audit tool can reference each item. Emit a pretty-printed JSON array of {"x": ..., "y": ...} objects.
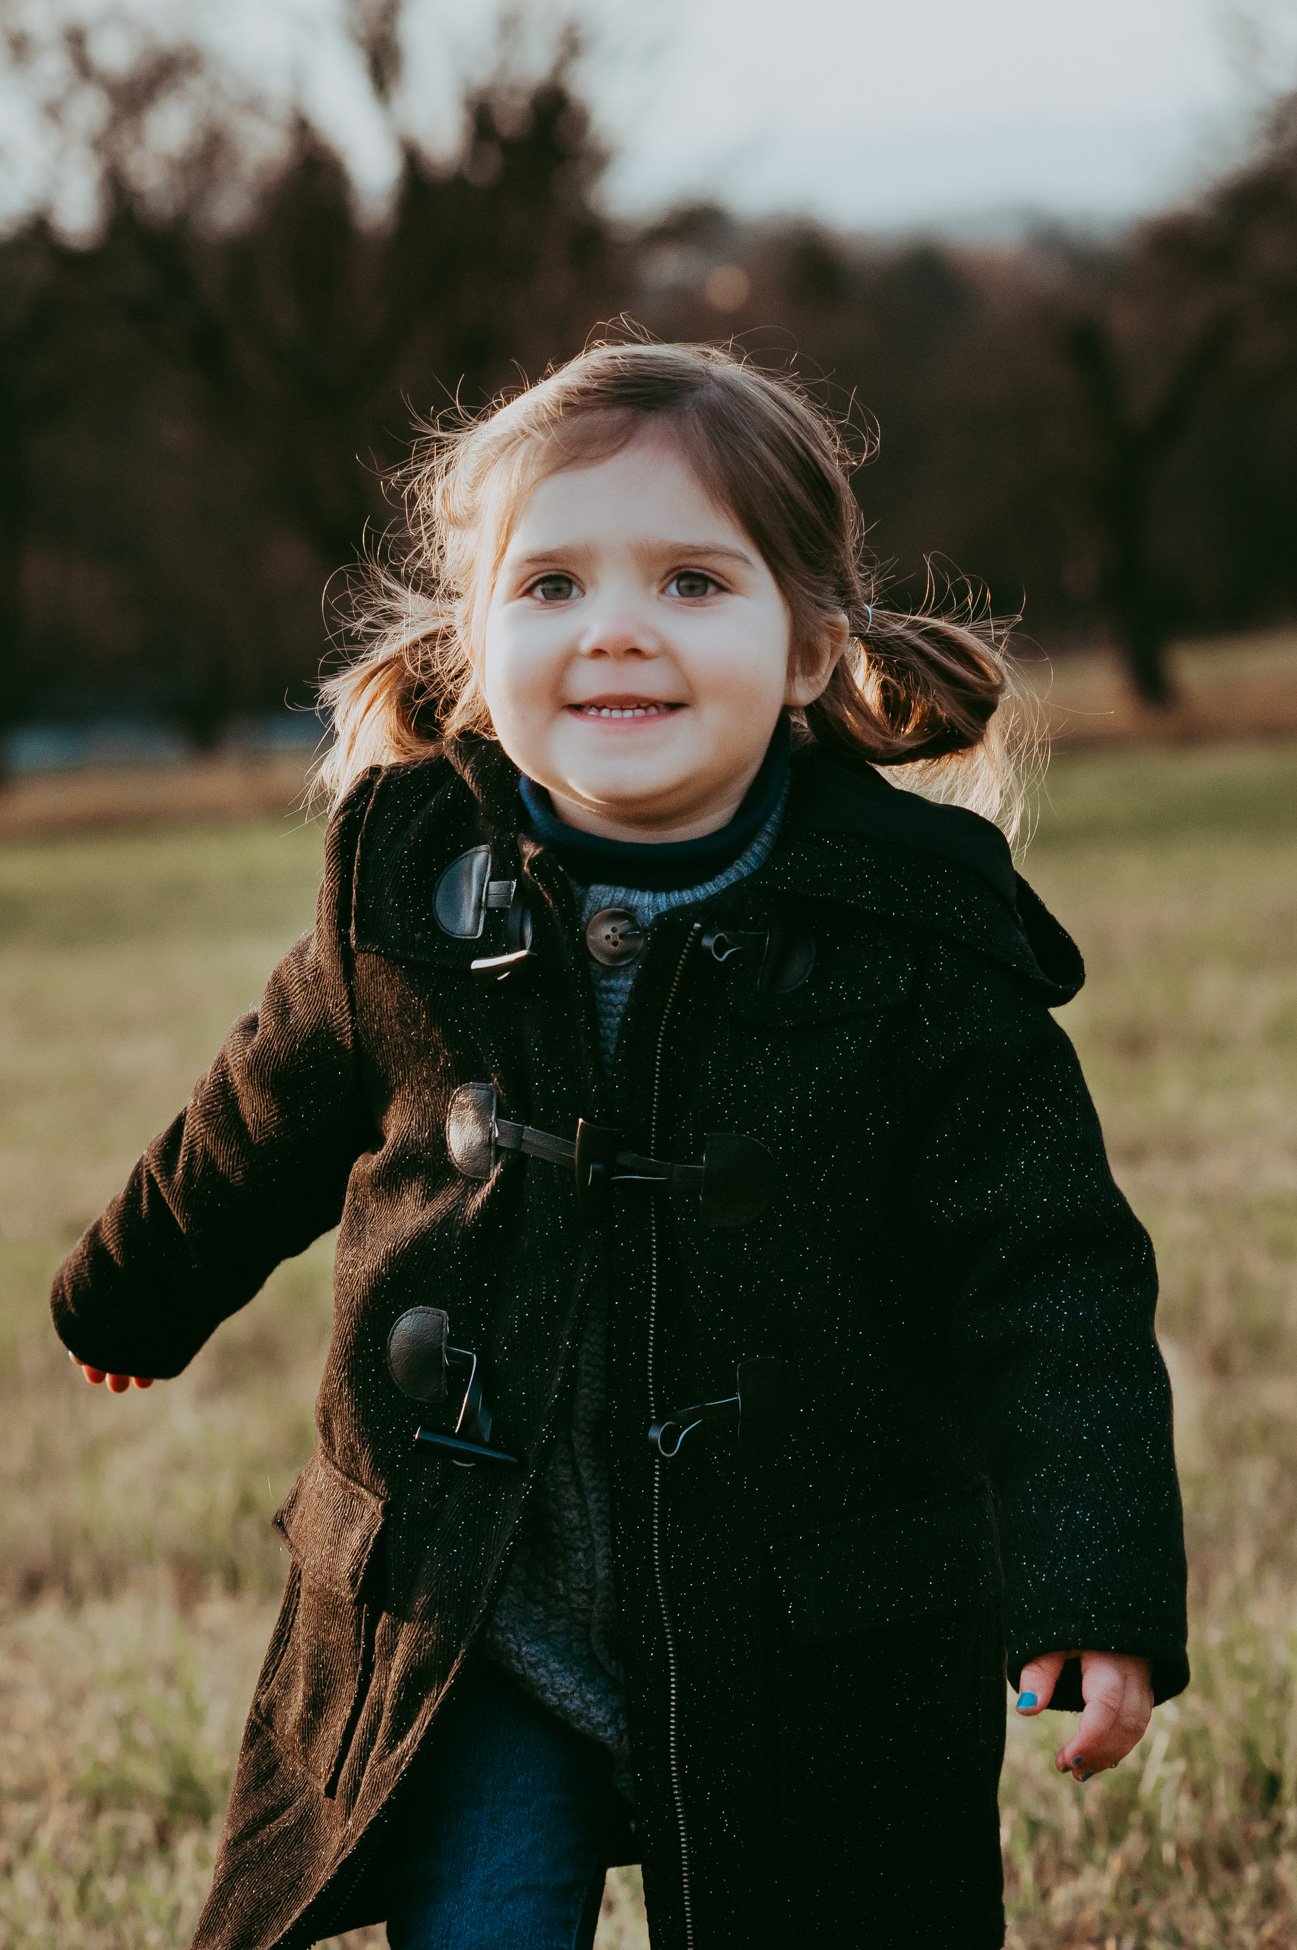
[{"x": 509, "y": 1830}]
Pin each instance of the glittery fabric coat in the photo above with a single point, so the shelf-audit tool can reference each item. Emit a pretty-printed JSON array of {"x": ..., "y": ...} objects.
[{"x": 977, "y": 1455}]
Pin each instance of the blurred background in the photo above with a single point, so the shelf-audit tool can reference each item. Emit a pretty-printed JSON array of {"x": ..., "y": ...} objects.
[
  {"x": 1045, "y": 257},
  {"x": 1050, "y": 256}
]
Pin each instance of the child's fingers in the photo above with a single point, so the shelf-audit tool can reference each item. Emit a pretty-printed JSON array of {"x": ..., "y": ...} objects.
[
  {"x": 1039, "y": 1678},
  {"x": 117, "y": 1383},
  {"x": 1118, "y": 1701}
]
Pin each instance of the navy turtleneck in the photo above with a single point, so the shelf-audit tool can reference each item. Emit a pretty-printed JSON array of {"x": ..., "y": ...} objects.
[{"x": 663, "y": 866}]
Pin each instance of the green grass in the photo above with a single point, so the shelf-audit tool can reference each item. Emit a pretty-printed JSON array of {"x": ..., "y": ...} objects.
[{"x": 138, "y": 1572}]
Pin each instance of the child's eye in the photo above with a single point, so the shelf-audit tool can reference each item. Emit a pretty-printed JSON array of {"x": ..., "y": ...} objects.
[
  {"x": 553, "y": 589},
  {"x": 691, "y": 584}
]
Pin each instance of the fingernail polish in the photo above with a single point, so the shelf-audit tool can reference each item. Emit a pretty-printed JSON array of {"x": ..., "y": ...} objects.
[
  {"x": 1025, "y": 1702},
  {"x": 1088, "y": 1777}
]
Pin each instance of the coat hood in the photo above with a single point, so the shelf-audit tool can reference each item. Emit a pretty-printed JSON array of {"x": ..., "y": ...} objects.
[{"x": 853, "y": 837}]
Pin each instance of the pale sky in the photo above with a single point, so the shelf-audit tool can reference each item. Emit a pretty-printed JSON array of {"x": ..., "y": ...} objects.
[
  {"x": 875, "y": 114},
  {"x": 885, "y": 112}
]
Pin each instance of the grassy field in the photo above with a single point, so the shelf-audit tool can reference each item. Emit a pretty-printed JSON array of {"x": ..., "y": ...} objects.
[{"x": 138, "y": 1572}]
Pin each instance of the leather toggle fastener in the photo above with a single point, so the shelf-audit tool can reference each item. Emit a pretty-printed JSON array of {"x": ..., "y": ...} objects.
[
  {"x": 424, "y": 1366},
  {"x": 734, "y": 1182},
  {"x": 466, "y": 892},
  {"x": 518, "y": 948},
  {"x": 761, "y": 1410},
  {"x": 786, "y": 952},
  {"x": 465, "y": 895}
]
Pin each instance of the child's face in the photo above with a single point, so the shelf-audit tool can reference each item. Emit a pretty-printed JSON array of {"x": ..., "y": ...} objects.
[{"x": 625, "y": 590}]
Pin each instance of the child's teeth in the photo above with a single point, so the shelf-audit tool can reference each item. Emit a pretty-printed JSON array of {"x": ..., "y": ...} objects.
[{"x": 624, "y": 711}]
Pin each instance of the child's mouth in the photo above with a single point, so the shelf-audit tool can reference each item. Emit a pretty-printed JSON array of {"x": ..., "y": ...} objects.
[{"x": 623, "y": 707}]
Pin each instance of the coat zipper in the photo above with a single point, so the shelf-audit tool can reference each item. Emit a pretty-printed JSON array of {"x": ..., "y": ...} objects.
[{"x": 668, "y": 1630}]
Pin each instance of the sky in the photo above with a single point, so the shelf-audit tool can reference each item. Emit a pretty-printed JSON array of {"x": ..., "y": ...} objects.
[
  {"x": 956, "y": 115},
  {"x": 882, "y": 115}
]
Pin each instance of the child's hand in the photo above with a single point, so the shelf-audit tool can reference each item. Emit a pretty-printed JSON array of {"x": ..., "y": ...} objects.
[
  {"x": 1118, "y": 1695},
  {"x": 117, "y": 1383}
]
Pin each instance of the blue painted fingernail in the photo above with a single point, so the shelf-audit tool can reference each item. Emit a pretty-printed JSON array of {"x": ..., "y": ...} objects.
[
  {"x": 1088, "y": 1777},
  {"x": 1025, "y": 1702}
]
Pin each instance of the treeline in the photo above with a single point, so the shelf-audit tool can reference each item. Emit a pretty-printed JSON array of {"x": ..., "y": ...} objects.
[{"x": 198, "y": 404}]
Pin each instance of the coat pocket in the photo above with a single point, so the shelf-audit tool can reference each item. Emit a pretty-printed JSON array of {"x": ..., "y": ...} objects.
[
  {"x": 321, "y": 1660},
  {"x": 884, "y": 1569}
]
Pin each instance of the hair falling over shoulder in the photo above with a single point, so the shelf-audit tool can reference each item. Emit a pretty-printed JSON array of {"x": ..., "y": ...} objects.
[{"x": 926, "y": 695}]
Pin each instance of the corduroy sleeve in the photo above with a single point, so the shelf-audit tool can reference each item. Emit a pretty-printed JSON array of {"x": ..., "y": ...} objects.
[
  {"x": 251, "y": 1171},
  {"x": 1051, "y": 1286}
]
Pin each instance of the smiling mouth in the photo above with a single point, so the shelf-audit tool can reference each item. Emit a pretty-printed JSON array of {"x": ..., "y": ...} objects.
[{"x": 624, "y": 707}]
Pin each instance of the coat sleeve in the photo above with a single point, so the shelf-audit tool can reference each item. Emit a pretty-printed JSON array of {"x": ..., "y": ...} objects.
[
  {"x": 251, "y": 1171},
  {"x": 1051, "y": 1286}
]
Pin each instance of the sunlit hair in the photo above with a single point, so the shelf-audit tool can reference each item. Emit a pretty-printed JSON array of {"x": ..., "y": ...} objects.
[{"x": 925, "y": 695}]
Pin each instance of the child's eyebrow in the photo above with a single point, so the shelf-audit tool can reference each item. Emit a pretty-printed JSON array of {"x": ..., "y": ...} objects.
[{"x": 674, "y": 551}]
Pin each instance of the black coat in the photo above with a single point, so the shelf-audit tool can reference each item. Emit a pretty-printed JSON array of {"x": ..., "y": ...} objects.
[{"x": 959, "y": 1439}]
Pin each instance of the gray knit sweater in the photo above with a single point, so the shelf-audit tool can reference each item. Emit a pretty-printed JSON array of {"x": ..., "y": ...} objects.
[{"x": 554, "y": 1628}]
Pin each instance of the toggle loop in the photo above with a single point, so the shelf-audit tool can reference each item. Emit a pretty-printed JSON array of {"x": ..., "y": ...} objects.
[
  {"x": 661, "y": 1432},
  {"x": 761, "y": 1412},
  {"x": 463, "y": 1452},
  {"x": 726, "y": 942}
]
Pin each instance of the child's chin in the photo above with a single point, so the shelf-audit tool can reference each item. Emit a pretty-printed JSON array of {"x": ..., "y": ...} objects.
[
  {"x": 631, "y": 799},
  {"x": 631, "y": 792},
  {"x": 625, "y": 767}
]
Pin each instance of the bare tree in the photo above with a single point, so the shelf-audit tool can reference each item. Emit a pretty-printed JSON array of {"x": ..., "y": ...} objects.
[
  {"x": 253, "y": 314},
  {"x": 1195, "y": 308}
]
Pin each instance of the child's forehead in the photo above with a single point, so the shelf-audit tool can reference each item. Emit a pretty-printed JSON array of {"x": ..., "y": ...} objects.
[{"x": 649, "y": 488}]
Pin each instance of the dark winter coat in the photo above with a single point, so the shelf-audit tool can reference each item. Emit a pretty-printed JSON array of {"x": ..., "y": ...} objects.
[{"x": 962, "y": 1436}]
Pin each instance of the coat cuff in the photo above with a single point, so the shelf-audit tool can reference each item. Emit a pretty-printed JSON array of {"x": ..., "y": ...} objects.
[
  {"x": 1168, "y": 1664},
  {"x": 115, "y": 1333}
]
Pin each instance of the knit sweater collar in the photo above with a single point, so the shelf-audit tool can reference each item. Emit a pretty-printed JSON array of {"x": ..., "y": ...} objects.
[{"x": 594, "y": 861}]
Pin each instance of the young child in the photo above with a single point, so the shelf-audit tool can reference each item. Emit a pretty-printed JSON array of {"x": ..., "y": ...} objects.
[{"x": 740, "y": 1343}]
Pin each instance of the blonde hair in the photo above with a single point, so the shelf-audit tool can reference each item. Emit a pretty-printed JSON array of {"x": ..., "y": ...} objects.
[{"x": 926, "y": 696}]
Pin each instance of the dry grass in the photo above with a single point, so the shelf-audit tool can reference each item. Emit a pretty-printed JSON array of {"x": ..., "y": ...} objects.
[
  {"x": 226, "y": 785},
  {"x": 1225, "y": 688},
  {"x": 1176, "y": 873},
  {"x": 138, "y": 1573}
]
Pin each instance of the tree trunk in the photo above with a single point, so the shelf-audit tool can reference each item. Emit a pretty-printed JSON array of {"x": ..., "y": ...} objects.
[{"x": 13, "y": 522}]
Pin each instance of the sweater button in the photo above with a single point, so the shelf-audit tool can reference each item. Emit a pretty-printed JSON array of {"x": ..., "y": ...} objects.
[{"x": 614, "y": 937}]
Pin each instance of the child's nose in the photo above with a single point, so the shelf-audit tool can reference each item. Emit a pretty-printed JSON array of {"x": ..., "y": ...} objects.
[{"x": 620, "y": 633}]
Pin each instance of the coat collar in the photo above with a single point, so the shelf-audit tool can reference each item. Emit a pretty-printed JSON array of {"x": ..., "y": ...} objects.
[
  {"x": 490, "y": 775},
  {"x": 852, "y": 838}
]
